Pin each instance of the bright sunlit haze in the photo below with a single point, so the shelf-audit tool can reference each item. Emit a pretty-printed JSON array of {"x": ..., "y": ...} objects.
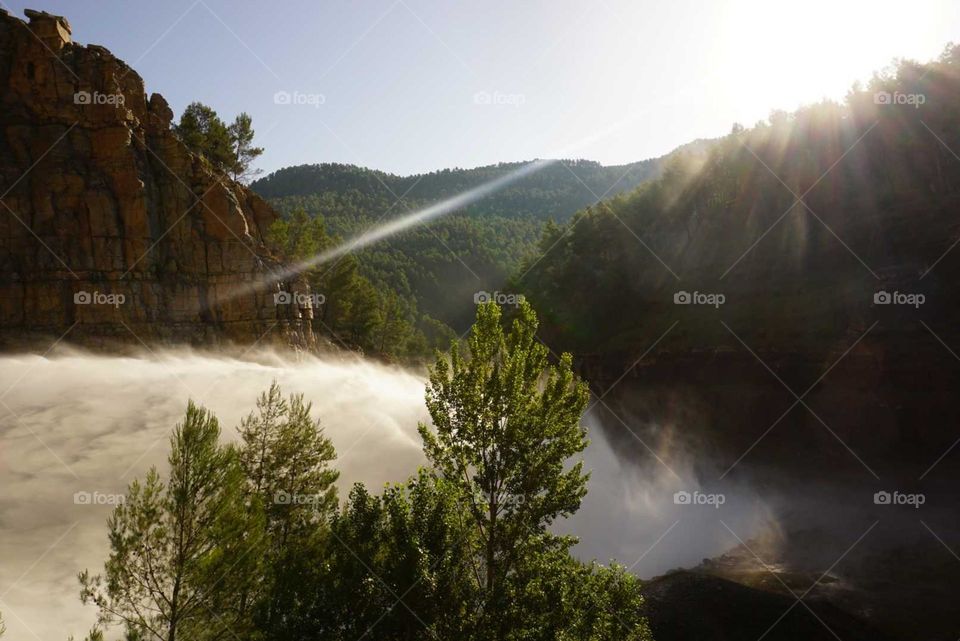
[{"x": 408, "y": 86}]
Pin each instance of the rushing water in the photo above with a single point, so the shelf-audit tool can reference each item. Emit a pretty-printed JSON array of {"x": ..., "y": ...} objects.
[{"x": 76, "y": 422}]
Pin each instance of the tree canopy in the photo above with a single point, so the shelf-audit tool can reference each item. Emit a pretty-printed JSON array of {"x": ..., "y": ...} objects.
[
  {"x": 872, "y": 173},
  {"x": 250, "y": 542},
  {"x": 229, "y": 148}
]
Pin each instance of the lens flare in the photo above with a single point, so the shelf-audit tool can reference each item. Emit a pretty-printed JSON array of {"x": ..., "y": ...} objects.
[{"x": 386, "y": 230}]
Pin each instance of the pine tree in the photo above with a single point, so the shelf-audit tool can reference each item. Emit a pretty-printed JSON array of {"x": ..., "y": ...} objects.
[
  {"x": 244, "y": 153},
  {"x": 178, "y": 549},
  {"x": 286, "y": 461},
  {"x": 204, "y": 133}
]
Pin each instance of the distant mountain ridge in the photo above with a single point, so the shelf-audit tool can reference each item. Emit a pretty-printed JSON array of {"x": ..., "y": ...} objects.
[{"x": 557, "y": 191}]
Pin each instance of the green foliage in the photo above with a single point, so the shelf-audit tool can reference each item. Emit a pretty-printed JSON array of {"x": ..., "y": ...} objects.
[
  {"x": 283, "y": 454},
  {"x": 867, "y": 170},
  {"x": 355, "y": 313},
  {"x": 392, "y": 569},
  {"x": 176, "y": 549},
  {"x": 285, "y": 459},
  {"x": 506, "y": 424},
  {"x": 244, "y": 151},
  {"x": 230, "y": 148},
  {"x": 96, "y": 634},
  {"x": 204, "y": 133},
  {"x": 554, "y": 596},
  {"x": 229, "y": 548},
  {"x": 555, "y": 191},
  {"x": 437, "y": 267}
]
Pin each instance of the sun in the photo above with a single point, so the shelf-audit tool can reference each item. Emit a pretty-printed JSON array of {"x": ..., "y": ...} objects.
[{"x": 779, "y": 55}]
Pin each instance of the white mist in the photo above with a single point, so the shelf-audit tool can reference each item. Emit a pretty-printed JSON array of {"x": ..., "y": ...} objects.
[{"x": 92, "y": 423}]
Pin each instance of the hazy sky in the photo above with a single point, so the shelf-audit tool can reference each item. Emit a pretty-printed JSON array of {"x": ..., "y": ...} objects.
[{"x": 416, "y": 85}]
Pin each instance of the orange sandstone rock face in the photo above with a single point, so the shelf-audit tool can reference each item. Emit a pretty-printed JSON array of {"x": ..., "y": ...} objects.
[{"x": 110, "y": 229}]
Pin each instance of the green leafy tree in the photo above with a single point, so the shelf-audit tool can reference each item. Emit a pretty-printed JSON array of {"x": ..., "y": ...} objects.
[
  {"x": 393, "y": 569},
  {"x": 554, "y": 596},
  {"x": 177, "y": 549},
  {"x": 393, "y": 328},
  {"x": 506, "y": 425}
]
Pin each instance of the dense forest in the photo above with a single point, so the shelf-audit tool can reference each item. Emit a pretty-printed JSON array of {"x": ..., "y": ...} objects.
[
  {"x": 554, "y": 192},
  {"x": 251, "y": 541},
  {"x": 790, "y": 219},
  {"x": 417, "y": 288}
]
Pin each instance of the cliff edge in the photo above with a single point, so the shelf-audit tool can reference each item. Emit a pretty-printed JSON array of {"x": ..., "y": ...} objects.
[{"x": 111, "y": 231}]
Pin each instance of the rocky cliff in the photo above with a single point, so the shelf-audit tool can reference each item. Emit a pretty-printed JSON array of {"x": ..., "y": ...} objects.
[{"x": 110, "y": 229}]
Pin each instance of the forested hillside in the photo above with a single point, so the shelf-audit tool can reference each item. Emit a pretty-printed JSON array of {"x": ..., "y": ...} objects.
[
  {"x": 556, "y": 191},
  {"x": 786, "y": 310},
  {"x": 797, "y": 220},
  {"x": 413, "y": 291}
]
